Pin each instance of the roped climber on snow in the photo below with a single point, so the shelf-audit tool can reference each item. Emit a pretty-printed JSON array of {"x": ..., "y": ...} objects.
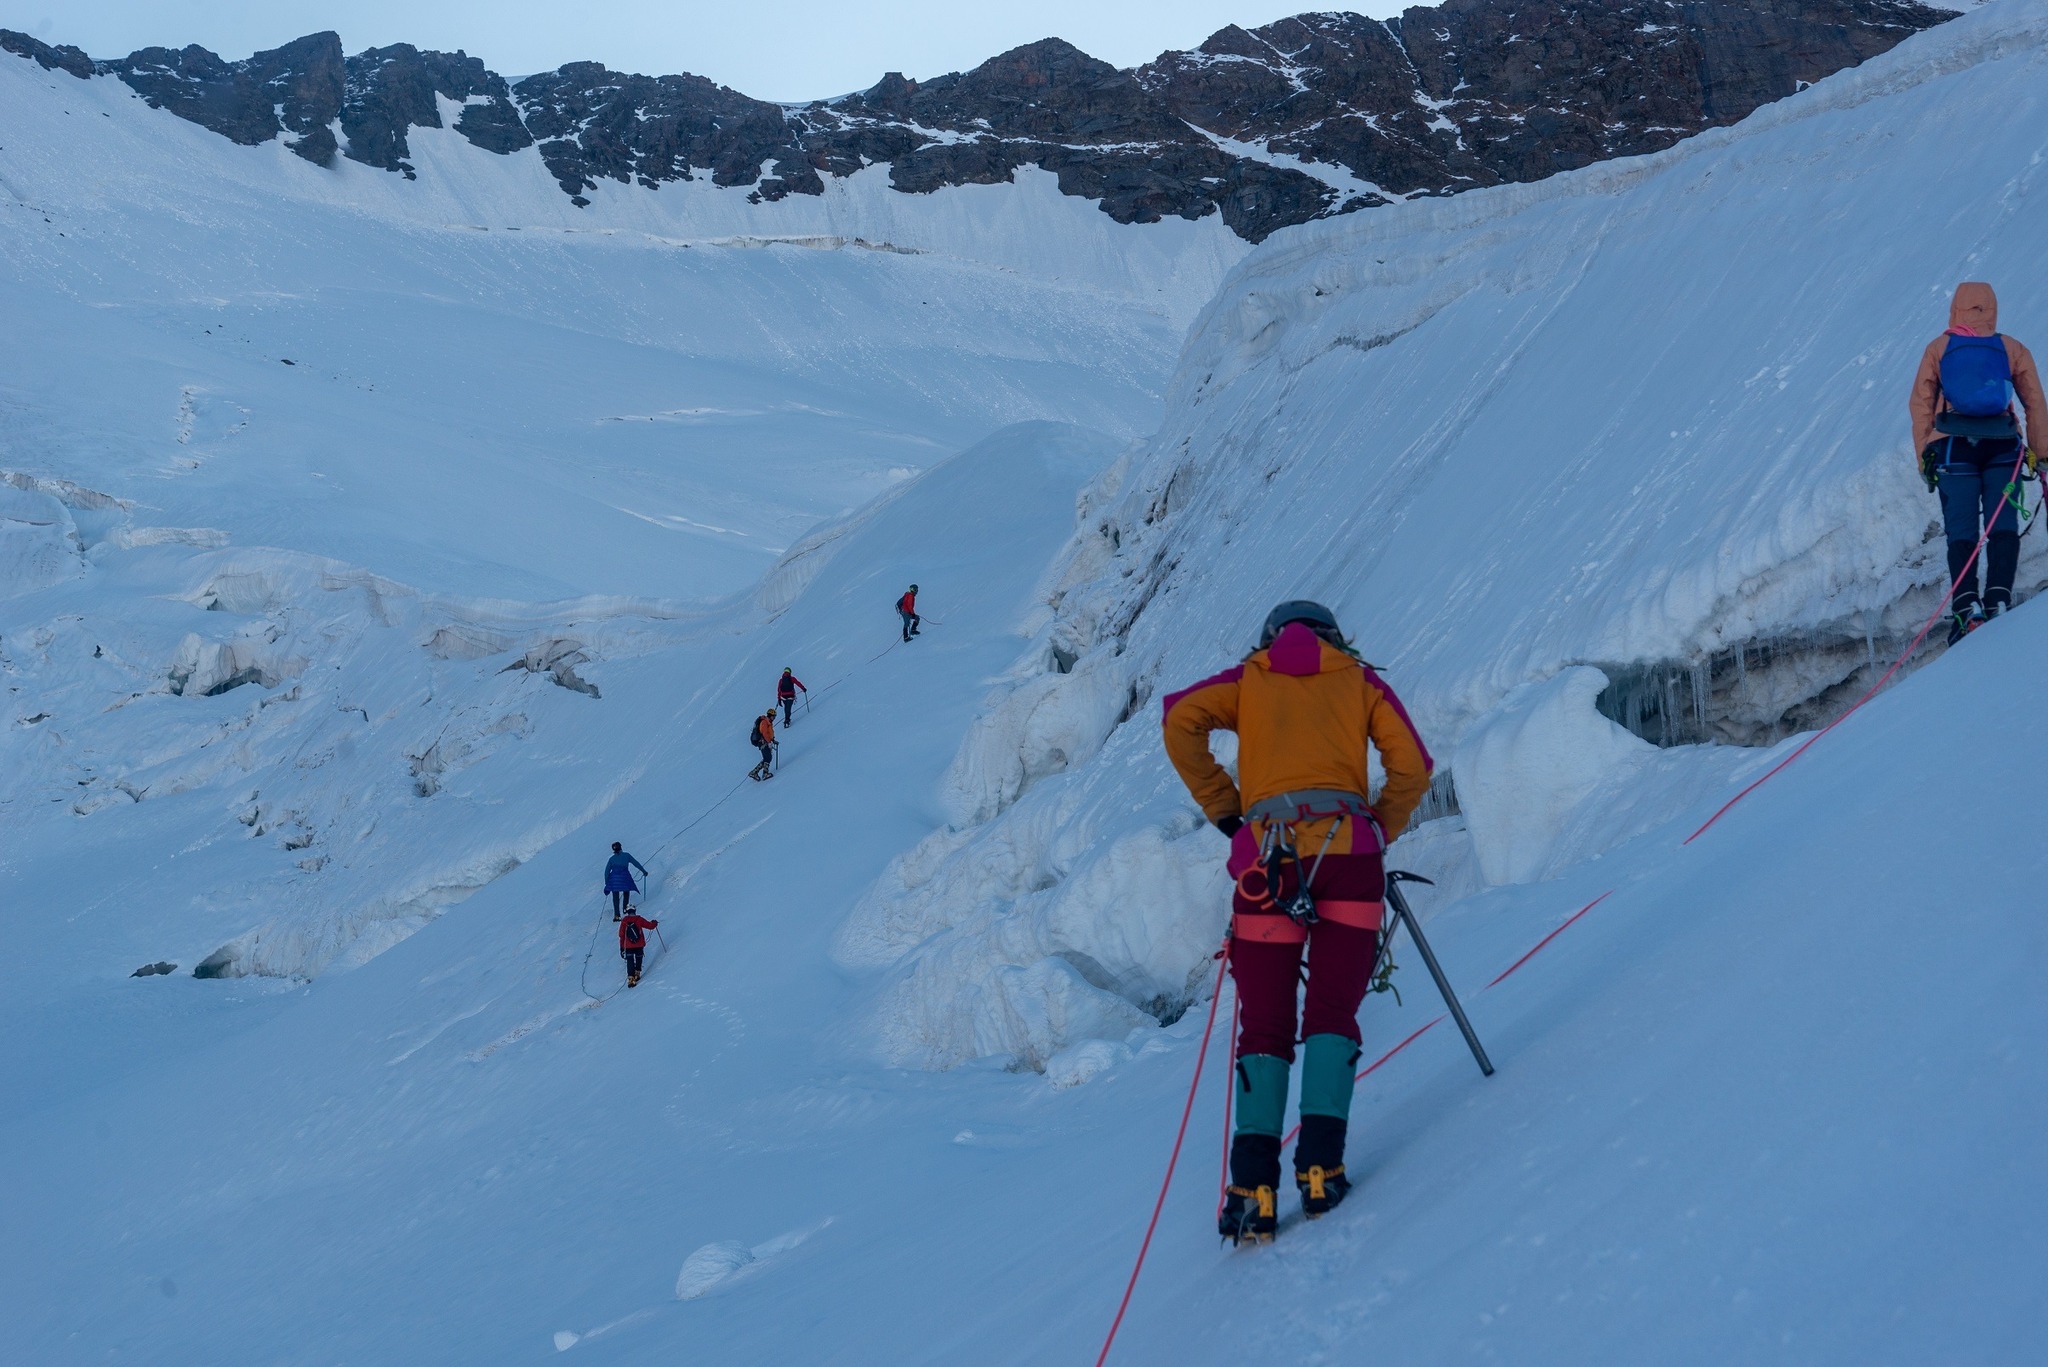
[
  {"x": 1970, "y": 441},
  {"x": 762, "y": 738},
  {"x": 1305, "y": 849},
  {"x": 906, "y": 608},
  {"x": 785, "y": 693},
  {"x": 618, "y": 876},
  {"x": 633, "y": 943}
]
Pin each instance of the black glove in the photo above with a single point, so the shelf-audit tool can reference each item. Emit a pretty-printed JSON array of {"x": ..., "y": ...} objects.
[
  {"x": 1230, "y": 825},
  {"x": 1928, "y": 461}
]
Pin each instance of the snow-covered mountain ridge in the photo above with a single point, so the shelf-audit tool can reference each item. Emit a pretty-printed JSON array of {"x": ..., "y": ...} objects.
[
  {"x": 1630, "y": 441},
  {"x": 1319, "y": 114}
]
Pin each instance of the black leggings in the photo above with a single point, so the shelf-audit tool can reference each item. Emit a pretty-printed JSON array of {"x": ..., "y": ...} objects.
[
  {"x": 633, "y": 957},
  {"x": 788, "y": 706}
]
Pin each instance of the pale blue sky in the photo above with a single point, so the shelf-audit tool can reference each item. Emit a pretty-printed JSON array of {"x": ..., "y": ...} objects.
[{"x": 773, "y": 49}]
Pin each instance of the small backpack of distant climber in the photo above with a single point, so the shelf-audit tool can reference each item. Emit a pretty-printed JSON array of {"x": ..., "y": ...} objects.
[{"x": 1976, "y": 386}]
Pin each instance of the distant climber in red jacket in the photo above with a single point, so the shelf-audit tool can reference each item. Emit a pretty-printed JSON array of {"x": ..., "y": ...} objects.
[
  {"x": 785, "y": 693},
  {"x": 633, "y": 928},
  {"x": 906, "y": 608}
]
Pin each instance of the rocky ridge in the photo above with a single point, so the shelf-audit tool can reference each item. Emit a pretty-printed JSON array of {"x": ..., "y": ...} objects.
[{"x": 1304, "y": 118}]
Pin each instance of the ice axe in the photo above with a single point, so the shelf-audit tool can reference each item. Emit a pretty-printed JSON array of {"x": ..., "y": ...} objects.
[{"x": 1404, "y": 917}]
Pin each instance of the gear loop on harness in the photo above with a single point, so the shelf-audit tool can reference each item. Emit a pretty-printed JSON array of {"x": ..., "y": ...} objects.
[{"x": 1281, "y": 813}]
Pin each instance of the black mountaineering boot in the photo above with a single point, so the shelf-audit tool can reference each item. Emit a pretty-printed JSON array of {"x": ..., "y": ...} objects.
[
  {"x": 1250, "y": 1204},
  {"x": 1963, "y": 621},
  {"x": 1319, "y": 1164}
]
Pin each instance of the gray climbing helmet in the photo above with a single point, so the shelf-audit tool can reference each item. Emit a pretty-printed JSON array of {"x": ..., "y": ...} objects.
[{"x": 1314, "y": 616}]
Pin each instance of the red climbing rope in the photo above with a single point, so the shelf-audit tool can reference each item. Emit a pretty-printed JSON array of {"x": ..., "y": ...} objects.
[
  {"x": 1172, "y": 1160},
  {"x": 1548, "y": 938},
  {"x": 1202, "y": 1055},
  {"x": 1939, "y": 608},
  {"x": 1229, "y": 1092},
  {"x": 1374, "y": 1066}
]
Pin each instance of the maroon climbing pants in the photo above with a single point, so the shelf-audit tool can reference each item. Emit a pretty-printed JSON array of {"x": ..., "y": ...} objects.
[{"x": 1267, "y": 948}]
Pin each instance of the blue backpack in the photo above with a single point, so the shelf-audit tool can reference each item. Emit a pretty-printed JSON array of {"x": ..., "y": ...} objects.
[{"x": 1976, "y": 376}]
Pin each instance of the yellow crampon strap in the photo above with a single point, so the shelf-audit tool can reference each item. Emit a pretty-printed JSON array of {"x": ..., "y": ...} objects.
[
  {"x": 1268, "y": 1199},
  {"x": 1317, "y": 1176}
]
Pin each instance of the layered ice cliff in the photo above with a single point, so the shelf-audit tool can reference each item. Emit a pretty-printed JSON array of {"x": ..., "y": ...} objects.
[{"x": 1645, "y": 421}]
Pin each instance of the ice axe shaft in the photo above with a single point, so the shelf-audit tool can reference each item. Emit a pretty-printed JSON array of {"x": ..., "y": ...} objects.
[{"x": 1404, "y": 916}]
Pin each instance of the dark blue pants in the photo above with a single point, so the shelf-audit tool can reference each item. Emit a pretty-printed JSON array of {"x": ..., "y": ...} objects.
[{"x": 1974, "y": 473}]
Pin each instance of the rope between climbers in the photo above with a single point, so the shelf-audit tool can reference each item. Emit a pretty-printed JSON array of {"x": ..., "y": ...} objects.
[
  {"x": 1173, "y": 1160},
  {"x": 1201, "y": 1056},
  {"x": 1969, "y": 566},
  {"x": 1208, "y": 1029},
  {"x": 585, "y": 977}
]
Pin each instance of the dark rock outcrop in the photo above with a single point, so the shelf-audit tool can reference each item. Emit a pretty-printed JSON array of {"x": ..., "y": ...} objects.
[
  {"x": 596, "y": 124},
  {"x": 1476, "y": 92},
  {"x": 49, "y": 58},
  {"x": 392, "y": 89},
  {"x": 1299, "y": 119},
  {"x": 295, "y": 90}
]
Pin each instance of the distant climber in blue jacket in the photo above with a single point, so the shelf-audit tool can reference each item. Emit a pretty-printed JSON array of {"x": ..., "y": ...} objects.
[{"x": 618, "y": 877}]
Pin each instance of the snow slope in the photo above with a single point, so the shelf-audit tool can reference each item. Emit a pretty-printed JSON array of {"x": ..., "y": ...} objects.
[
  {"x": 1771, "y": 1100},
  {"x": 1647, "y": 419},
  {"x": 495, "y": 394},
  {"x": 354, "y": 447}
]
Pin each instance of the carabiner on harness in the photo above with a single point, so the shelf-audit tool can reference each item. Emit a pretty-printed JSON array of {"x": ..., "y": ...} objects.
[
  {"x": 1276, "y": 855},
  {"x": 1277, "y": 852}
]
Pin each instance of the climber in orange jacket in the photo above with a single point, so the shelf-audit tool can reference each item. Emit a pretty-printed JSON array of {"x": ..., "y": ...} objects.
[
  {"x": 1970, "y": 440},
  {"x": 1305, "y": 710},
  {"x": 762, "y": 738}
]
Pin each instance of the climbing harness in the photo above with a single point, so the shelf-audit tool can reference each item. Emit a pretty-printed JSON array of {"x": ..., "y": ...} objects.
[{"x": 1277, "y": 852}]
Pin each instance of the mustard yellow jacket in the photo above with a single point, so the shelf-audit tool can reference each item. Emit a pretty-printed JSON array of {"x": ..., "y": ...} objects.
[{"x": 1304, "y": 712}]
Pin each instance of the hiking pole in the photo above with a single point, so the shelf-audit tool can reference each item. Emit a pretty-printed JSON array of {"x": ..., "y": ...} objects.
[{"x": 1407, "y": 918}]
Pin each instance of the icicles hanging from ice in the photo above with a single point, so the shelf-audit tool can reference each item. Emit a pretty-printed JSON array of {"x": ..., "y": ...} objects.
[
  {"x": 1757, "y": 691},
  {"x": 1440, "y": 801}
]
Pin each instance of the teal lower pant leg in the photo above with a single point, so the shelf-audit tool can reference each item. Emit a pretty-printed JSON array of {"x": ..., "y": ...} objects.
[
  {"x": 1328, "y": 1072},
  {"x": 1261, "y": 1084}
]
